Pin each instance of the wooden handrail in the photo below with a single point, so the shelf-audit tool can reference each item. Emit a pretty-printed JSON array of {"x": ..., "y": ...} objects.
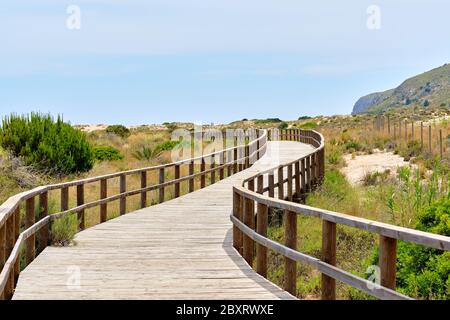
[
  {"x": 308, "y": 174},
  {"x": 10, "y": 209}
]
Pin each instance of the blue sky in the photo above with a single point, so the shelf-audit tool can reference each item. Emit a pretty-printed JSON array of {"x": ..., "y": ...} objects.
[{"x": 136, "y": 62}]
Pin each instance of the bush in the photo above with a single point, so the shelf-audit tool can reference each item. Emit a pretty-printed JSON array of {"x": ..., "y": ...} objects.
[
  {"x": 51, "y": 146},
  {"x": 64, "y": 230},
  {"x": 283, "y": 125},
  {"x": 308, "y": 125},
  {"x": 424, "y": 272},
  {"x": 107, "y": 154},
  {"x": 119, "y": 130}
]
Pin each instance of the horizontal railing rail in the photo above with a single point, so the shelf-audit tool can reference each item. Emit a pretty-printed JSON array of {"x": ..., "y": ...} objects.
[
  {"x": 36, "y": 235},
  {"x": 280, "y": 188}
]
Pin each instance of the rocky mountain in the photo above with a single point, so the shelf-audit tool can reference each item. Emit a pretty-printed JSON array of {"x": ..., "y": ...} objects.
[{"x": 431, "y": 88}]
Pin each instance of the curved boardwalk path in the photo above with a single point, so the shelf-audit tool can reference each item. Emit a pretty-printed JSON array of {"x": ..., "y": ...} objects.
[{"x": 180, "y": 249}]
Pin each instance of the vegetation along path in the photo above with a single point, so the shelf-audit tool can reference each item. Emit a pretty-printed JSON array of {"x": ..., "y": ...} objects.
[{"x": 180, "y": 249}]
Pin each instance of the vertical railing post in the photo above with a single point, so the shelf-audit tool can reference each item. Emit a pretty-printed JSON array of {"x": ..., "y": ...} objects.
[
  {"x": 290, "y": 184},
  {"x": 412, "y": 130},
  {"x": 64, "y": 198},
  {"x": 308, "y": 173},
  {"x": 247, "y": 156},
  {"x": 212, "y": 166},
  {"x": 202, "y": 175},
  {"x": 80, "y": 202},
  {"x": 389, "y": 125},
  {"x": 191, "y": 180},
  {"x": 103, "y": 195},
  {"x": 271, "y": 185},
  {"x": 261, "y": 228},
  {"x": 249, "y": 221},
  {"x": 17, "y": 224},
  {"x": 43, "y": 212},
  {"x": 328, "y": 256},
  {"x": 388, "y": 261},
  {"x": 176, "y": 177},
  {"x": 303, "y": 175},
  {"x": 280, "y": 183},
  {"x": 2, "y": 246},
  {"x": 235, "y": 156},
  {"x": 161, "y": 188},
  {"x": 297, "y": 178},
  {"x": 30, "y": 243},
  {"x": 238, "y": 214},
  {"x": 290, "y": 266},
  {"x": 143, "y": 186},
  {"x": 221, "y": 164},
  {"x": 123, "y": 189}
]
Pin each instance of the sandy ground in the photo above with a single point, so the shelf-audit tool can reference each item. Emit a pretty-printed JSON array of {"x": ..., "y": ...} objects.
[{"x": 379, "y": 161}]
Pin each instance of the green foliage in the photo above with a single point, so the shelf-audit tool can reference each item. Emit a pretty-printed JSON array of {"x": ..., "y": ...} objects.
[
  {"x": 308, "y": 125},
  {"x": 107, "y": 153},
  {"x": 119, "y": 130},
  {"x": 146, "y": 153},
  {"x": 64, "y": 230},
  {"x": 51, "y": 146},
  {"x": 283, "y": 125},
  {"x": 268, "y": 120},
  {"x": 304, "y": 118},
  {"x": 426, "y": 103}
]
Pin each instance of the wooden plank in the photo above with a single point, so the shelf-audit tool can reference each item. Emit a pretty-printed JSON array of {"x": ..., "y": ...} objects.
[
  {"x": 280, "y": 178},
  {"x": 43, "y": 212},
  {"x": 329, "y": 257},
  {"x": 177, "y": 184},
  {"x": 123, "y": 199},
  {"x": 290, "y": 266},
  {"x": 64, "y": 198},
  {"x": 261, "y": 228},
  {"x": 249, "y": 220},
  {"x": 238, "y": 213},
  {"x": 271, "y": 185},
  {"x": 162, "y": 177},
  {"x": 213, "y": 172},
  {"x": 30, "y": 243},
  {"x": 143, "y": 193},
  {"x": 297, "y": 178},
  {"x": 80, "y": 202},
  {"x": 103, "y": 195},
  {"x": 191, "y": 181},
  {"x": 290, "y": 183},
  {"x": 388, "y": 261},
  {"x": 202, "y": 177},
  {"x": 2, "y": 246}
]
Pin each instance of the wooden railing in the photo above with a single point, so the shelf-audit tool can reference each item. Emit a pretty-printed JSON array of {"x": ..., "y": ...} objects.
[
  {"x": 253, "y": 202},
  {"x": 35, "y": 236}
]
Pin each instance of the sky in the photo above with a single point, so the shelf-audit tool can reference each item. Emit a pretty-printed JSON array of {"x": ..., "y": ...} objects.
[{"x": 211, "y": 61}]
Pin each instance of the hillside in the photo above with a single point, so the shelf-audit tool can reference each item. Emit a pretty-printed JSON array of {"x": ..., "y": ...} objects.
[{"x": 431, "y": 88}]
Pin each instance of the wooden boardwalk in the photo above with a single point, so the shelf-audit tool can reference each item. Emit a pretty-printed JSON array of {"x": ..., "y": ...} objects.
[{"x": 180, "y": 249}]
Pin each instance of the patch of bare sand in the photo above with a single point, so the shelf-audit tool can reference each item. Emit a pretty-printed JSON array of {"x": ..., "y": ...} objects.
[{"x": 379, "y": 161}]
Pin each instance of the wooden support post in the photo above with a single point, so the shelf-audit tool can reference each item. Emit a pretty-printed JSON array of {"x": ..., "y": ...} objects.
[
  {"x": 429, "y": 140},
  {"x": 64, "y": 198},
  {"x": 249, "y": 221},
  {"x": 440, "y": 143},
  {"x": 328, "y": 256},
  {"x": 43, "y": 212},
  {"x": 30, "y": 243},
  {"x": 237, "y": 213},
  {"x": 247, "y": 156},
  {"x": 3, "y": 255},
  {"x": 261, "y": 228},
  {"x": 161, "y": 188},
  {"x": 308, "y": 174},
  {"x": 176, "y": 169},
  {"x": 123, "y": 199},
  {"x": 290, "y": 184},
  {"x": 412, "y": 130},
  {"x": 290, "y": 266},
  {"x": 10, "y": 241},
  {"x": 221, "y": 164},
  {"x": 235, "y": 157},
  {"x": 202, "y": 176},
  {"x": 213, "y": 172},
  {"x": 271, "y": 185},
  {"x": 297, "y": 178},
  {"x": 303, "y": 175},
  {"x": 229, "y": 158},
  {"x": 191, "y": 180},
  {"x": 421, "y": 135},
  {"x": 103, "y": 195},
  {"x": 143, "y": 185},
  {"x": 387, "y": 261},
  {"x": 280, "y": 184},
  {"x": 80, "y": 202},
  {"x": 16, "y": 236}
]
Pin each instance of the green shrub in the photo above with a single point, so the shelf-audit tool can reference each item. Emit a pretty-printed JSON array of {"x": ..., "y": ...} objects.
[
  {"x": 51, "y": 146},
  {"x": 283, "y": 125},
  {"x": 308, "y": 125},
  {"x": 424, "y": 272},
  {"x": 107, "y": 153},
  {"x": 119, "y": 130},
  {"x": 268, "y": 120},
  {"x": 64, "y": 230},
  {"x": 167, "y": 145}
]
